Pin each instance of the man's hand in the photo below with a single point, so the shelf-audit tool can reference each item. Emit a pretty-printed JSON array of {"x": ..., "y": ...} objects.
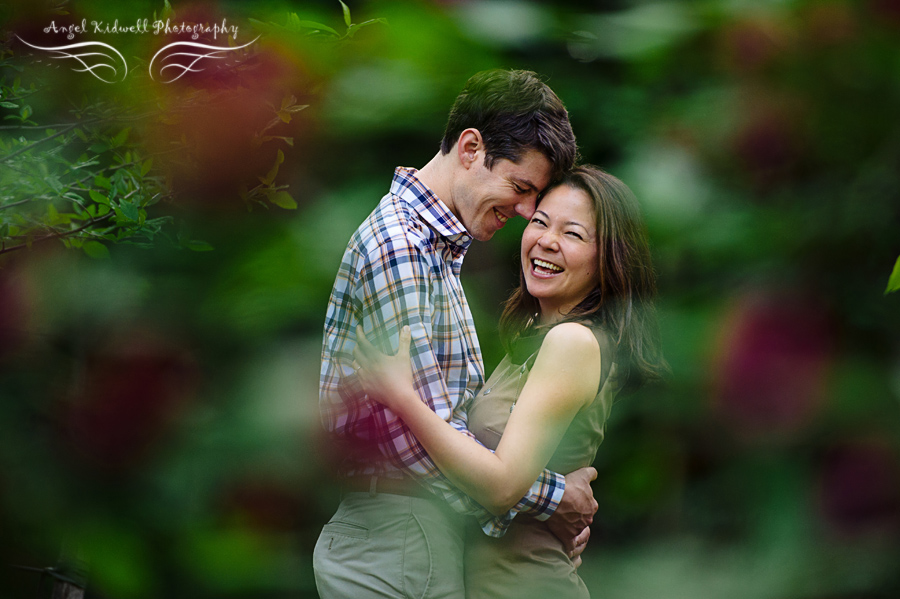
[
  {"x": 581, "y": 542},
  {"x": 575, "y": 513}
]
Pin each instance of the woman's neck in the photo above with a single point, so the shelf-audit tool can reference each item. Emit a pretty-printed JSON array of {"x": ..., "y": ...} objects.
[
  {"x": 550, "y": 317},
  {"x": 550, "y": 314}
]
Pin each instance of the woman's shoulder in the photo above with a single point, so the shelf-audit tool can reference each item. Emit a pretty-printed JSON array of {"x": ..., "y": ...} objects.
[
  {"x": 571, "y": 338},
  {"x": 570, "y": 356}
]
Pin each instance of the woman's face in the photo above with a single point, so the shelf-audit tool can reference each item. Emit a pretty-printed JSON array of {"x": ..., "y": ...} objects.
[{"x": 559, "y": 251}]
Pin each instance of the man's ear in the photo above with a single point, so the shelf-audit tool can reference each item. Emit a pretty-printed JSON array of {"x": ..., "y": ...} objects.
[{"x": 470, "y": 148}]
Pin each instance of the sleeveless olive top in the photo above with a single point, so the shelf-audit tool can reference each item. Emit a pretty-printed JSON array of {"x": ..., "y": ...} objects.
[{"x": 529, "y": 561}]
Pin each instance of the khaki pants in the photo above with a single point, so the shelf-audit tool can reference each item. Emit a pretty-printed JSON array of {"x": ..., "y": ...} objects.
[{"x": 383, "y": 545}]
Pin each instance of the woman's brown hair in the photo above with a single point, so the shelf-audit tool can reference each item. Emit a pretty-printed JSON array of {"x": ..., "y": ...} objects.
[{"x": 622, "y": 302}]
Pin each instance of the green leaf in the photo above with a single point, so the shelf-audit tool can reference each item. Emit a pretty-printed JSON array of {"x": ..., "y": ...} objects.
[
  {"x": 118, "y": 180},
  {"x": 318, "y": 26},
  {"x": 99, "y": 148},
  {"x": 119, "y": 139},
  {"x": 198, "y": 246},
  {"x": 130, "y": 211},
  {"x": 102, "y": 182},
  {"x": 98, "y": 197},
  {"x": 260, "y": 25},
  {"x": 894, "y": 281},
  {"x": 346, "y": 9},
  {"x": 8, "y": 105},
  {"x": 95, "y": 249},
  {"x": 77, "y": 202},
  {"x": 284, "y": 200},
  {"x": 288, "y": 140},
  {"x": 55, "y": 218},
  {"x": 4, "y": 230},
  {"x": 273, "y": 172},
  {"x": 160, "y": 221},
  {"x": 146, "y": 166},
  {"x": 351, "y": 31},
  {"x": 85, "y": 164}
]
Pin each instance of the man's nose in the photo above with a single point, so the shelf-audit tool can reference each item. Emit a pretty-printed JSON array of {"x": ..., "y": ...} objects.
[{"x": 526, "y": 208}]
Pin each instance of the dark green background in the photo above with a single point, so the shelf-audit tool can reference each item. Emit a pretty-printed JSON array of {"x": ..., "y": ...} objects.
[{"x": 158, "y": 407}]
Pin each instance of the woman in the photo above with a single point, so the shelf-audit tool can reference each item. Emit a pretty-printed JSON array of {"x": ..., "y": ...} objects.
[{"x": 579, "y": 329}]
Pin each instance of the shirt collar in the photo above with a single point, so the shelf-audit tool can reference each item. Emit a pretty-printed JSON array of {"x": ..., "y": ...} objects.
[{"x": 429, "y": 207}]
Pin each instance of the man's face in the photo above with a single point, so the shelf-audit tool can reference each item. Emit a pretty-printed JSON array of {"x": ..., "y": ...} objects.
[{"x": 486, "y": 198}]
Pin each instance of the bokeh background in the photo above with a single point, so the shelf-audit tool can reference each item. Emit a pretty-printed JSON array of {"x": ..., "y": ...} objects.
[{"x": 159, "y": 432}]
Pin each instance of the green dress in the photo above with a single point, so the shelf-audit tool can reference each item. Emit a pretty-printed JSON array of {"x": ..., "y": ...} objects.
[{"x": 529, "y": 561}]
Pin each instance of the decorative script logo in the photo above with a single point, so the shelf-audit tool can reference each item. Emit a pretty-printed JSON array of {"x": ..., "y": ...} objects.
[
  {"x": 95, "y": 57},
  {"x": 193, "y": 58},
  {"x": 169, "y": 64}
]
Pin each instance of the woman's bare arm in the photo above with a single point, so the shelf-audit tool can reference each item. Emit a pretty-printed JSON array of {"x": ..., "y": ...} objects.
[{"x": 564, "y": 379}]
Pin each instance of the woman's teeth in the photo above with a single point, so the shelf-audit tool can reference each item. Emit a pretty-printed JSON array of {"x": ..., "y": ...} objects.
[{"x": 547, "y": 266}]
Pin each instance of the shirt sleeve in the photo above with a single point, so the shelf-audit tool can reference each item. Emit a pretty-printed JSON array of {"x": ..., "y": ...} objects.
[{"x": 384, "y": 290}]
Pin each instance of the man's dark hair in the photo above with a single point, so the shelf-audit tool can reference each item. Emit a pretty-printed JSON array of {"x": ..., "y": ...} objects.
[{"x": 515, "y": 112}]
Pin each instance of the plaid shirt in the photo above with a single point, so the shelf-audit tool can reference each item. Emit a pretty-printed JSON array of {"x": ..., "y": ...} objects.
[{"x": 402, "y": 267}]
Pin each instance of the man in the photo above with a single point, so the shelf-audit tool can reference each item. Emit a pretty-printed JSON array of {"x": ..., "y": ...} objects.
[{"x": 399, "y": 529}]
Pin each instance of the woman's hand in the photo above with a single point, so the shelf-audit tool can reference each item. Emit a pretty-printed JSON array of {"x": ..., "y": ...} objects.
[{"x": 387, "y": 379}]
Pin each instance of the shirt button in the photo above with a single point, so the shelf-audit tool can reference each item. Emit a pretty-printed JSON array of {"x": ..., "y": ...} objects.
[{"x": 464, "y": 239}]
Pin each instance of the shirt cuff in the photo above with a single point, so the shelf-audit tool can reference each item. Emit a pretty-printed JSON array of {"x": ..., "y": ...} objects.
[{"x": 556, "y": 491}]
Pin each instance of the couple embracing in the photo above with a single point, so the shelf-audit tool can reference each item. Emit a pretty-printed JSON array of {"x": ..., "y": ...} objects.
[{"x": 454, "y": 486}]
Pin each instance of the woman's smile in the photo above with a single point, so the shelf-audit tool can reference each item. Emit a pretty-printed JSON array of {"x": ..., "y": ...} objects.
[{"x": 559, "y": 251}]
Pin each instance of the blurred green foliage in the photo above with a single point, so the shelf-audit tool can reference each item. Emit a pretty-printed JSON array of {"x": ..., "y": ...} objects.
[{"x": 158, "y": 406}]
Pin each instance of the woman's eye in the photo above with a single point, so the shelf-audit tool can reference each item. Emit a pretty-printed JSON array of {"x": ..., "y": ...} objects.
[
  {"x": 574, "y": 234},
  {"x": 537, "y": 221}
]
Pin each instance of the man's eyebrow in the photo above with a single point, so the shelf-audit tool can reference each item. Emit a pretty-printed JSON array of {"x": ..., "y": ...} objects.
[{"x": 524, "y": 183}]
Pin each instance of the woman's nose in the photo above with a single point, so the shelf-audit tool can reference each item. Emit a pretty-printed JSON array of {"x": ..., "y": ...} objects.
[{"x": 548, "y": 241}]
